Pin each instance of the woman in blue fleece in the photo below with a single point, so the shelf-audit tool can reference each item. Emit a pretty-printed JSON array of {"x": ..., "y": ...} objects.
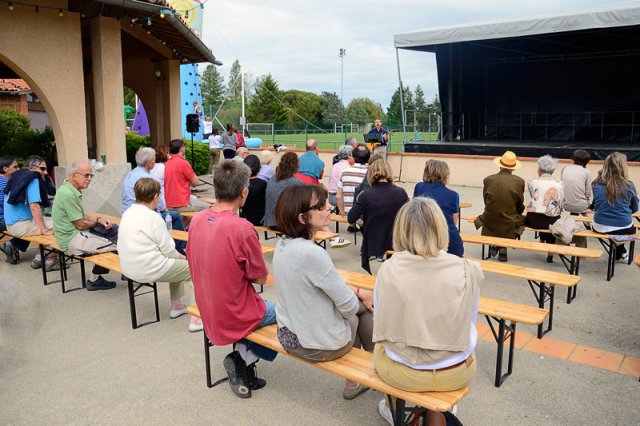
[{"x": 614, "y": 200}]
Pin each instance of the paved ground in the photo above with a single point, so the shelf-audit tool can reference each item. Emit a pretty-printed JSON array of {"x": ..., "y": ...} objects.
[{"x": 74, "y": 359}]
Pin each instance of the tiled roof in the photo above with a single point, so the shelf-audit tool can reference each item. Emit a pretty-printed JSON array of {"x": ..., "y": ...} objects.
[{"x": 13, "y": 85}]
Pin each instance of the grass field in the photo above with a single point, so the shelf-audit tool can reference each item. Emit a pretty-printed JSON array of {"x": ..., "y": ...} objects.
[{"x": 330, "y": 141}]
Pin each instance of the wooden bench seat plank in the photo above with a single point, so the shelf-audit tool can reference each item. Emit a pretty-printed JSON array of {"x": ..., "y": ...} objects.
[
  {"x": 526, "y": 273},
  {"x": 513, "y": 312},
  {"x": 319, "y": 237},
  {"x": 357, "y": 365},
  {"x": 532, "y": 246}
]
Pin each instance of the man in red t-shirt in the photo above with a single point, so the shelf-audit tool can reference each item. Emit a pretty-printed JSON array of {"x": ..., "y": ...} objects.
[
  {"x": 179, "y": 177},
  {"x": 225, "y": 257}
]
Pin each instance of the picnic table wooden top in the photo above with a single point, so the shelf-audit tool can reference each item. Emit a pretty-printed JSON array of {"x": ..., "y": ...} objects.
[{"x": 532, "y": 246}]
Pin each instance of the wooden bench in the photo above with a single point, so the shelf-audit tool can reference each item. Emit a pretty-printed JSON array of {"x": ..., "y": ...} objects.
[
  {"x": 608, "y": 243},
  {"x": 506, "y": 315},
  {"x": 569, "y": 255},
  {"x": 462, "y": 206},
  {"x": 541, "y": 282},
  {"x": 320, "y": 238},
  {"x": 357, "y": 365},
  {"x": 47, "y": 244},
  {"x": 343, "y": 219}
]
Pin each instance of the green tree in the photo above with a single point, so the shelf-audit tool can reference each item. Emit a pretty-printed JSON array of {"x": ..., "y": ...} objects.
[
  {"x": 302, "y": 104},
  {"x": 394, "y": 112},
  {"x": 130, "y": 98},
  {"x": 374, "y": 110},
  {"x": 421, "y": 104},
  {"x": 18, "y": 139},
  {"x": 333, "y": 108},
  {"x": 235, "y": 85},
  {"x": 357, "y": 112},
  {"x": 266, "y": 105},
  {"x": 435, "y": 106},
  {"x": 212, "y": 84}
]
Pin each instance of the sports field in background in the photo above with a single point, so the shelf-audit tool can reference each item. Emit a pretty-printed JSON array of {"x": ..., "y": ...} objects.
[{"x": 331, "y": 141}]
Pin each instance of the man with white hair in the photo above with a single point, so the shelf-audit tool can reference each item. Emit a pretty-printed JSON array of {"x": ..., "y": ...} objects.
[
  {"x": 146, "y": 159},
  {"x": 75, "y": 231}
]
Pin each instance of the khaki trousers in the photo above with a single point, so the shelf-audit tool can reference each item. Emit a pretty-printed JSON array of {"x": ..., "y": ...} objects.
[
  {"x": 25, "y": 228},
  {"x": 177, "y": 275},
  {"x": 402, "y": 377}
]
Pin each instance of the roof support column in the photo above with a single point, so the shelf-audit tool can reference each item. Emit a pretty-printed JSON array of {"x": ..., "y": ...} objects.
[
  {"x": 106, "y": 51},
  {"x": 171, "y": 113}
]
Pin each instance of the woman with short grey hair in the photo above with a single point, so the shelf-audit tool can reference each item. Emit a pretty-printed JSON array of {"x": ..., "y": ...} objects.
[{"x": 547, "y": 198}]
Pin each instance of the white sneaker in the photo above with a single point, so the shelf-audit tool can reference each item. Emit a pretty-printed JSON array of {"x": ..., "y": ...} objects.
[
  {"x": 385, "y": 411},
  {"x": 176, "y": 313},
  {"x": 339, "y": 242}
]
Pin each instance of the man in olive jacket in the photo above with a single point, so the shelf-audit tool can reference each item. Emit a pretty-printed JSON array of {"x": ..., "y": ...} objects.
[{"x": 503, "y": 195}]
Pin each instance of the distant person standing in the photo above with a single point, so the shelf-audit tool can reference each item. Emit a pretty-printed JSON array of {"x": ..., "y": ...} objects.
[
  {"x": 215, "y": 145},
  {"x": 229, "y": 142},
  {"x": 311, "y": 166},
  {"x": 381, "y": 147},
  {"x": 207, "y": 127},
  {"x": 179, "y": 177}
]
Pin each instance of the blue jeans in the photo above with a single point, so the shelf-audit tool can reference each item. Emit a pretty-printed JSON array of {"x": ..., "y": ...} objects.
[
  {"x": 176, "y": 223},
  {"x": 268, "y": 319}
]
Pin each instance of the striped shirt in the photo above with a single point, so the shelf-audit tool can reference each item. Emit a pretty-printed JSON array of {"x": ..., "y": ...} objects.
[
  {"x": 3, "y": 184},
  {"x": 351, "y": 178}
]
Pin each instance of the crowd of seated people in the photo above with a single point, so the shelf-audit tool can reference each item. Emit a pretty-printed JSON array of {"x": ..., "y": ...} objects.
[{"x": 319, "y": 317}]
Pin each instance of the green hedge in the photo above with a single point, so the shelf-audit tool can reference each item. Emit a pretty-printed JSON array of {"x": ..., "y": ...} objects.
[
  {"x": 19, "y": 140},
  {"x": 200, "y": 151}
]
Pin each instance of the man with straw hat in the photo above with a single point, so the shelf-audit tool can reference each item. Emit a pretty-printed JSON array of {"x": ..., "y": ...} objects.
[{"x": 503, "y": 195}]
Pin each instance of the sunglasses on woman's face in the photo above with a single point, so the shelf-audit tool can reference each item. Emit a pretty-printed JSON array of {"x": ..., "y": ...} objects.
[{"x": 321, "y": 205}]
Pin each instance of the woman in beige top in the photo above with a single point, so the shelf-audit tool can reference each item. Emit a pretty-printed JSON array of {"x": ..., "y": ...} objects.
[{"x": 425, "y": 309}]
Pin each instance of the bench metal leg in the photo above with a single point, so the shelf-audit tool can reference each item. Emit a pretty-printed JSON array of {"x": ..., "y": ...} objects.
[
  {"x": 609, "y": 247},
  {"x": 544, "y": 293},
  {"x": 572, "y": 266},
  {"x": 403, "y": 415},
  {"x": 44, "y": 270},
  {"x": 632, "y": 249},
  {"x": 132, "y": 303},
  {"x": 505, "y": 332},
  {"x": 207, "y": 363},
  {"x": 65, "y": 262}
]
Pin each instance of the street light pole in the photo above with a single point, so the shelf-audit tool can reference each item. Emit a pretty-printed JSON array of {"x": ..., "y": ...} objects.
[{"x": 341, "y": 54}]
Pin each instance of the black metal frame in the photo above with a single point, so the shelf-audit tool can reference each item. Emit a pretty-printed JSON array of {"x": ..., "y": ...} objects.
[
  {"x": 207, "y": 363},
  {"x": 355, "y": 234},
  {"x": 401, "y": 414},
  {"x": 133, "y": 293},
  {"x": 609, "y": 246},
  {"x": 505, "y": 332},
  {"x": 65, "y": 261},
  {"x": 545, "y": 292}
]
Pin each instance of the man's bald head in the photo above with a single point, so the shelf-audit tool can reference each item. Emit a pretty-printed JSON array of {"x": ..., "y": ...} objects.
[
  {"x": 242, "y": 152},
  {"x": 312, "y": 145}
]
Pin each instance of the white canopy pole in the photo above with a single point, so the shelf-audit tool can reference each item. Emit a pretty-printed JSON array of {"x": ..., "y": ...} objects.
[{"x": 404, "y": 124}]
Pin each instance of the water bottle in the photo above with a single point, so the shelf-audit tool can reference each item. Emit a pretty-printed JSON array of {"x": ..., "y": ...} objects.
[{"x": 169, "y": 222}]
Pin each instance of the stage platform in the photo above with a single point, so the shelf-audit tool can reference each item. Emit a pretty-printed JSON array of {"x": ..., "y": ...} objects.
[{"x": 532, "y": 149}]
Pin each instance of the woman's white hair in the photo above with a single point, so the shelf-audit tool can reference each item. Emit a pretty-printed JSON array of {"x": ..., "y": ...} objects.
[{"x": 547, "y": 164}]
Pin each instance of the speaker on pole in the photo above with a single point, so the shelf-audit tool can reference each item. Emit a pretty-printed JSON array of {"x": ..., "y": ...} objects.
[{"x": 193, "y": 123}]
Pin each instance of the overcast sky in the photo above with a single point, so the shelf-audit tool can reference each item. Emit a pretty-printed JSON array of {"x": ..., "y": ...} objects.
[{"x": 298, "y": 41}]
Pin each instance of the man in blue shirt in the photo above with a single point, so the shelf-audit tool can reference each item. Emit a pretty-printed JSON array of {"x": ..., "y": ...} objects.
[
  {"x": 146, "y": 159},
  {"x": 23, "y": 206},
  {"x": 379, "y": 148},
  {"x": 311, "y": 165}
]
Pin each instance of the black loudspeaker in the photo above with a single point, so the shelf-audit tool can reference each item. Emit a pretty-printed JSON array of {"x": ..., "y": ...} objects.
[{"x": 193, "y": 123}]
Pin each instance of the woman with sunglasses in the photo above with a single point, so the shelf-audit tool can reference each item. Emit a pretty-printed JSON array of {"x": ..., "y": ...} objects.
[{"x": 320, "y": 318}]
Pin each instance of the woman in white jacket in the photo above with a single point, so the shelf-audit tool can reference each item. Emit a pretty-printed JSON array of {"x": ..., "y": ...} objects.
[{"x": 147, "y": 252}]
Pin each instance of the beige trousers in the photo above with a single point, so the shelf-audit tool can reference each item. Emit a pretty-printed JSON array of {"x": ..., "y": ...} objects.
[{"x": 25, "y": 228}]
